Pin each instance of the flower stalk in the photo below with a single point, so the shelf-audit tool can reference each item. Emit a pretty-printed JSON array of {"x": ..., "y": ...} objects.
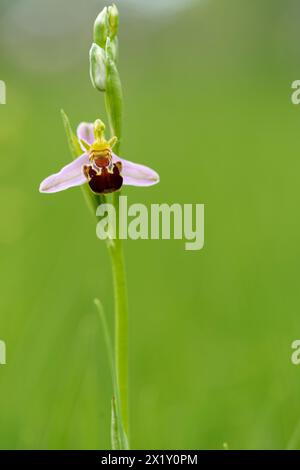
[
  {"x": 105, "y": 32},
  {"x": 121, "y": 328}
]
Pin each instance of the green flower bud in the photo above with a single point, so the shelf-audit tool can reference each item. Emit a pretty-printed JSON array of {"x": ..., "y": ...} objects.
[
  {"x": 98, "y": 67},
  {"x": 113, "y": 20},
  {"x": 101, "y": 28}
]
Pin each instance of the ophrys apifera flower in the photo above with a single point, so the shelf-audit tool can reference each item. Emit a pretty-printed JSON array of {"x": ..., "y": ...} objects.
[{"x": 98, "y": 166}]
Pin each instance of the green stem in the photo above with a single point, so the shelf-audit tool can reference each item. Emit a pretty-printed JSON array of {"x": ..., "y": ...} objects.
[
  {"x": 121, "y": 323},
  {"x": 114, "y": 106}
]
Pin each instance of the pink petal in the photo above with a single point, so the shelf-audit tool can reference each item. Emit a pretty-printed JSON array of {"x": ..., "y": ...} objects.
[
  {"x": 85, "y": 131},
  {"x": 135, "y": 174},
  {"x": 69, "y": 176}
]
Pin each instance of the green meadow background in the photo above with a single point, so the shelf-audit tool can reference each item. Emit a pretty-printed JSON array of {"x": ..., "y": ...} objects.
[{"x": 207, "y": 88}]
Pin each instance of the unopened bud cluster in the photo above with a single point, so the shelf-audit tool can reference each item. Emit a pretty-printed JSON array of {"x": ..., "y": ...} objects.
[{"x": 105, "y": 46}]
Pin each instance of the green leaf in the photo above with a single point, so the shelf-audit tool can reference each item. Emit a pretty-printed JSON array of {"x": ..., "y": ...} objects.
[
  {"x": 107, "y": 339},
  {"x": 116, "y": 441},
  {"x": 74, "y": 145},
  {"x": 119, "y": 439}
]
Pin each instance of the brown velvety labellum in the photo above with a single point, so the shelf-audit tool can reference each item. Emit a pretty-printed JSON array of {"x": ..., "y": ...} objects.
[{"x": 106, "y": 182}]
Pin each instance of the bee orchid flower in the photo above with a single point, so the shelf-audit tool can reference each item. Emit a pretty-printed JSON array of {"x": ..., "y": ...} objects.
[{"x": 98, "y": 166}]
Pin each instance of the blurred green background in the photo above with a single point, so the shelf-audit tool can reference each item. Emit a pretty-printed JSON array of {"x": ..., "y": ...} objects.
[{"x": 207, "y": 88}]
